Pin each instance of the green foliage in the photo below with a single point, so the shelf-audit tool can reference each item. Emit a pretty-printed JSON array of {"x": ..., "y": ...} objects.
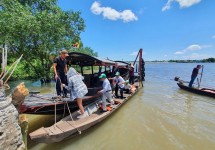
[
  {"x": 85, "y": 50},
  {"x": 38, "y": 29},
  {"x": 209, "y": 60}
]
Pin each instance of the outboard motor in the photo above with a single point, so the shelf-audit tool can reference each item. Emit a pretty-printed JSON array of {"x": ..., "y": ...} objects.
[{"x": 177, "y": 78}]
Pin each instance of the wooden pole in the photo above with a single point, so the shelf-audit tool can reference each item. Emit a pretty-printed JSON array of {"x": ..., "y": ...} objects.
[
  {"x": 201, "y": 76},
  {"x": 140, "y": 66}
]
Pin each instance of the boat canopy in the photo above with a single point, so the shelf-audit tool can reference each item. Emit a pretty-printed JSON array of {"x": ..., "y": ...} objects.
[
  {"x": 122, "y": 64},
  {"x": 76, "y": 58}
]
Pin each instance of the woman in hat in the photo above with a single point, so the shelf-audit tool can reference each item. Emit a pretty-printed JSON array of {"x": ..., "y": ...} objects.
[{"x": 77, "y": 89}]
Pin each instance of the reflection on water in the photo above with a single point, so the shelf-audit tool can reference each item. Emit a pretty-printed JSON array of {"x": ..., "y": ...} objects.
[{"x": 159, "y": 117}]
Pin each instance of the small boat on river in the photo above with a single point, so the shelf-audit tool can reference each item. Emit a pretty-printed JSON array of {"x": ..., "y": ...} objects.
[{"x": 202, "y": 91}]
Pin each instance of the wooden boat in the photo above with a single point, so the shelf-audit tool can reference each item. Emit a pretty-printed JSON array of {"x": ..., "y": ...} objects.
[
  {"x": 70, "y": 126},
  {"x": 201, "y": 91},
  {"x": 37, "y": 103},
  {"x": 44, "y": 104}
]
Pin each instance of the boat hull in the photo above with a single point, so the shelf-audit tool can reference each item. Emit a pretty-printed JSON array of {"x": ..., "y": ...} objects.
[
  {"x": 61, "y": 107},
  {"x": 66, "y": 128},
  {"x": 202, "y": 91}
]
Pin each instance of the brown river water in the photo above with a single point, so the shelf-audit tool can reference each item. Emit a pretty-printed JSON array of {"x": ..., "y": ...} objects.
[{"x": 159, "y": 117}]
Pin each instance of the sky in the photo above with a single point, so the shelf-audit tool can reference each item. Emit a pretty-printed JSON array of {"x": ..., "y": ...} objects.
[{"x": 164, "y": 29}]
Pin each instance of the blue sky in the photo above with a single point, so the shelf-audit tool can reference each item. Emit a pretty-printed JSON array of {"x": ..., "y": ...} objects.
[{"x": 164, "y": 29}]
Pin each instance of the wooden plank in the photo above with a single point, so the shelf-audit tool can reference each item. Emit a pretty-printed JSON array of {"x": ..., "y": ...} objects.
[
  {"x": 64, "y": 126},
  {"x": 118, "y": 100},
  {"x": 39, "y": 133},
  {"x": 53, "y": 130}
]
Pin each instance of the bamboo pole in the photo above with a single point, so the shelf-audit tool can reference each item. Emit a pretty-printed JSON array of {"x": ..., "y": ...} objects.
[{"x": 17, "y": 62}]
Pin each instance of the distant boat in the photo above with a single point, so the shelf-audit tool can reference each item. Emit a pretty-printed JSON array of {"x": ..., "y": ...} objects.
[{"x": 201, "y": 91}]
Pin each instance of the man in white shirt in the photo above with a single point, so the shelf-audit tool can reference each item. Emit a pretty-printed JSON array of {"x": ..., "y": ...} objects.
[
  {"x": 120, "y": 84},
  {"x": 106, "y": 92}
]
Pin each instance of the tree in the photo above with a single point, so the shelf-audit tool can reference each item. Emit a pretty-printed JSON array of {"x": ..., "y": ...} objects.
[{"x": 38, "y": 29}]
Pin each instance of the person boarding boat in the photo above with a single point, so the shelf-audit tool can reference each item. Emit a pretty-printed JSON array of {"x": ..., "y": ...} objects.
[
  {"x": 106, "y": 92},
  {"x": 119, "y": 84},
  {"x": 77, "y": 89},
  {"x": 194, "y": 75}
]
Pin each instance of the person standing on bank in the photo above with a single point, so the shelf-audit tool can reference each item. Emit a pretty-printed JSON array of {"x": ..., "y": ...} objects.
[
  {"x": 194, "y": 75},
  {"x": 106, "y": 92},
  {"x": 60, "y": 70}
]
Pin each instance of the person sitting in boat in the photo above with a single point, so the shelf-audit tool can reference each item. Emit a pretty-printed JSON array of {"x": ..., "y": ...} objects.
[
  {"x": 77, "y": 89},
  {"x": 119, "y": 85},
  {"x": 194, "y": 75},
  {"x": 106, "y": 92},
  {"x": 60, "y": 70},
  {"x": 127, "y": 87}
]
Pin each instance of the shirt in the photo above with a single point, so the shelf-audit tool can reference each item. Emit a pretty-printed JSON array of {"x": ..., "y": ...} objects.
[
  {"x": 195, "y": 72},
  {"x": 131, "y": 72},
  {"x": 106, "y": 86},
  {"x": 127, "y": 86},
  {"x": 76, "y": 87},
  {"x": 61, "y": 64},
  {"x": 120, "y": 81}
]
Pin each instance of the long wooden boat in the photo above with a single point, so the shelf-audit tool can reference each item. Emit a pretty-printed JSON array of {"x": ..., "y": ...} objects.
[
  {"x": 70, "y": 126},
  {"x": 46, "y": 104},
  {"x": 202, "y": 91}
]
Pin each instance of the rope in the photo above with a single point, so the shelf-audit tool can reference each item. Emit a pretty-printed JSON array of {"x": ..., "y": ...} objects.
[
  {"x": 72, "y": 118},
  {"x": 55, "y": 113}
]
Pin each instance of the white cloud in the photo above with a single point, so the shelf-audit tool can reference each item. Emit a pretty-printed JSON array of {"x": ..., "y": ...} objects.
[
  {"x": 112, "y": 14},
  {"x": 213, "y": 36},
  {"x": 134, "y": 54},
  {"x": 193, "y": 47},
  {"x": 179, "y": 52},
  {"x": 197, "y": 56},
  {"x": 182, "y": 3}
]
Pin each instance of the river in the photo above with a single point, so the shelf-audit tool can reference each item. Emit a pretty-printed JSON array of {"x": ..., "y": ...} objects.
[{"x": 159, "y": 117}]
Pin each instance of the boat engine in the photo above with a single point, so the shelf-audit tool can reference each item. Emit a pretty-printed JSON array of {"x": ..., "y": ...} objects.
[{"x": 177, "y": 78}]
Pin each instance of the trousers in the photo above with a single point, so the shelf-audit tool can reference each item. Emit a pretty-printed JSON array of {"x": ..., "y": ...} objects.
[
  {"x": 105, "y": 96},
  {"x": 191, "y": 81},
  {"x": 62, "y": 79}
]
